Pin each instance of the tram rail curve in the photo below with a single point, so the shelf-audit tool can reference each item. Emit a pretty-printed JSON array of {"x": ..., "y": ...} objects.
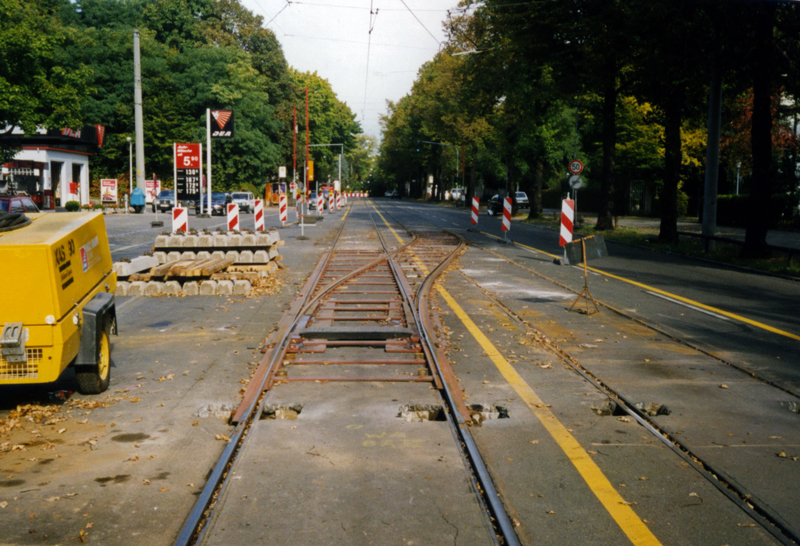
[{"x": 384, "y": 292}]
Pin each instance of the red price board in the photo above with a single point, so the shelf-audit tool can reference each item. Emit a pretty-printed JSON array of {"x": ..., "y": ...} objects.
[{"x": 187, "y": 156}]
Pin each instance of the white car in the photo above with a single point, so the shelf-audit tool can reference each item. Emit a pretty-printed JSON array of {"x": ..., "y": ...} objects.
[{"x": 244, "y": 199}]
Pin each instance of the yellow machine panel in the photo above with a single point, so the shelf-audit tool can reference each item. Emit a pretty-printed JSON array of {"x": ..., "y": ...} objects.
[{"x": 49, "y": 271}]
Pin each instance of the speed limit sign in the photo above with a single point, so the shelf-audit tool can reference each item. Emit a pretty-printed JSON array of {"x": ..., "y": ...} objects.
[{"x": 575, "y": 166}]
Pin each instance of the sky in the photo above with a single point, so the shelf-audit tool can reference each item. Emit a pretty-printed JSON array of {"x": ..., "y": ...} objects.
[{"x": 332, "y": 38}]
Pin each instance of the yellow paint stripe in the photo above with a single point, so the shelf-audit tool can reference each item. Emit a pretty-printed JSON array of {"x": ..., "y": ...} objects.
[
  {"x": 722, "y": 312},
  {"x": 346, "y": 213},
  {"x": 630, "y": 524}
]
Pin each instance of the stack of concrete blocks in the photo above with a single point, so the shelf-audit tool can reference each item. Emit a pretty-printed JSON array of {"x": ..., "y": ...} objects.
[{"x": 261, "y": 248}]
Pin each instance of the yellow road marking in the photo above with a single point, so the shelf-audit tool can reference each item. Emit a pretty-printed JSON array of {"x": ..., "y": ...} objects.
[
  {"x": 630, "y": 524},
  {"x": 728, "y": 314},
  {"x": 633, "y": 527}
]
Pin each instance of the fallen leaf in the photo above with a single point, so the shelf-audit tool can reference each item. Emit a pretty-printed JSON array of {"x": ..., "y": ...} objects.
[
  {"x": 145, "y": 482},
  {"x": 195, "y": 423},
  {"x": 776, "y": 437},
  {"x": 694, "y": 495},
  {"x": 163, "y": 489},
  {"x": 61, "y": 431},
  {"x": 3, "y": 504},
  {"x": 746, "y": 524},
  {"x": 550, "y": 512},
  {"x": 82, "y": 536},
  {"x": 190, "y": 484},
  {"x": 643, "y": 479},
  {"x": 624, "y": 419},
  {"x": 723, "y": 386},
  {"x": 626, "y": 503},
  {"x": 52, "y": 499},
  {"x": 534, "y": 442},
  {"x": 133, "y": 459},
  {"x": 134, "y": 400},
  {"x": 591, "y": 452},
  {"x": 782, "y": 454},
  {"x": 222, "y": 437}
]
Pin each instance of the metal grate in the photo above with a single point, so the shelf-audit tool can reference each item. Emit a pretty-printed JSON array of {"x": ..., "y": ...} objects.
[{"x": 22, "y": 370}]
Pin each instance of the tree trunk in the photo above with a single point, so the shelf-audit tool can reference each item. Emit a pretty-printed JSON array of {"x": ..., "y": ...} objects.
[
  {"x": 536, "y": 195},
  {"x": 604, "y": 218},
  {"x": 672, "y": 175},
  {"x": 755, "y": 241},
  {"x": 471, "y": 186}
]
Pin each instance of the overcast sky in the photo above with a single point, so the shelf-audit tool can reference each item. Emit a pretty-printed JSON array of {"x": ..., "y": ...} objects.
[{"x": 331, "y": 37}]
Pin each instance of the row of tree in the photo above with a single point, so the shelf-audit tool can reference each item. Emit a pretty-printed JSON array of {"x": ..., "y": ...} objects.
[
  {"x": 68, "y": 63},
  {"x": 524, "y": 87}
]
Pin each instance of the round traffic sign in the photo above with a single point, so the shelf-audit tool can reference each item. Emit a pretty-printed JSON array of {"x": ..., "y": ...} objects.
[
  {"x": 575, "y": 182},
  {"x": 292, "y": 186},
  {"x": 575, "y": 166}
]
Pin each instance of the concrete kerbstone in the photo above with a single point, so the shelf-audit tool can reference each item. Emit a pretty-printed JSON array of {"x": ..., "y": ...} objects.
[
  {"x": 274, "y": 236},
  {"x": 242, "y": 288},
  {"x": 176, "y": 240},
  {"x": 122, "y": 288},
  {"x": 136, "y": 288},
  {"x": 173, "y": 256},
  {"x": 220, "y": 239},
  {"x": 218, "y": 255},
  {"x": 153, "y": 288},
  {"x": 162, "y": 240},
  {"x": 234, "y": 239},
  {"x": 171, "y": 288},
  {"x": 161, "y": 257},
  {"x": 140, "y": 263},
  {"x": 249, "y": 239},
  {"x": 232, "y": 254},
  {"x": 207, "y": 288},
  {"x": 188, "y": 255},
  {"x": 190, "y": 241},
  {"x": 205, "y": 240},
  {"x": 191, "y": 288},
  {"x": 246, "y": 257},
  {"x": 261, "y": 256},
  {"x": 224, "y": 288},
  {"x": 262, "y": 239},
  {"x": 273, "y": 252}
]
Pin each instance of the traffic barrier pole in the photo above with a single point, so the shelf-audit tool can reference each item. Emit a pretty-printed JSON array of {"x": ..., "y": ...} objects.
[
  {"x": 233, "y": 217},
  {"x": 567, "y": 220},
  {"x": 258, "y": 214},
  {"x": 332, "y": 202},
  {"x": 282, "y": 208},
  {"x": 506, "y": 227},
  {"x": 320, "y": 204},
  {"x": 475, "y": 208},
  {"x": 180, "y": 220}
]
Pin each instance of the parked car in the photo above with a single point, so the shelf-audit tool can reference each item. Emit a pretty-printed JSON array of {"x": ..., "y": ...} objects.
[
  {"x": 495, "y": 206},
  {"x": 164, "y": 201},
  {"x": 395, "y": 195},
  {"x": 17, "y": 203},
  {"x": 387, "y": 194},
  {"x": 218, "y": 202},
  {"x": 245, "y": 200},
  {"x": 522, "y": 200}
]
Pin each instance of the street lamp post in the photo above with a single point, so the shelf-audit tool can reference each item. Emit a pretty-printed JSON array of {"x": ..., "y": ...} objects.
[{"x": 130, "y": 163}]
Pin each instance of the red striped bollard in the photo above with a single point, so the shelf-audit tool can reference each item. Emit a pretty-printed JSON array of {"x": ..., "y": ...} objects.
[
  {"x": 567, "y": 220},
  {"x": 233, "y": 217},
  {"x": 258, "y": 214},
  {"x": 332, "y": 202},
  {"x": 180, "y": 220},
  {"x": 475, "y": 208},
  {"x": 338, "y": 200},
  {"x": 506, "y": 227},
  {"x": 320, "y": 204},
  {"x": 282, "y": 208}
]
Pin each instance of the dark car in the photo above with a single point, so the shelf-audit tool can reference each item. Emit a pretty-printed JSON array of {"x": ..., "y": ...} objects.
[
  {"x": 17, "y": 203},
  {"x": 218, "y": 202},
  {"x": 164, "y": 201}
]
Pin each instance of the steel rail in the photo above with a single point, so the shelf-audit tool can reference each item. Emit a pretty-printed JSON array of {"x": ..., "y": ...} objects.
[
  {"x": 189, "y": 532},
  {"x": 489, "y": 497},
  {"x": 217, "y": 480}
]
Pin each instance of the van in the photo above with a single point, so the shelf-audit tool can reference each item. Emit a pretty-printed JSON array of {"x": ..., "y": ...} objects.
[{"x": 245, "y": 200}]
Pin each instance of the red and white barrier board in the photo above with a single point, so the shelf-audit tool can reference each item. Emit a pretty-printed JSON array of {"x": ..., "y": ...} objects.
[
  {"x": 180, "y": 220},
  {"x": 506, "y": 214},
  {"x": 282, "y": 208},
  {"x": 475, "y": 208},
  {"x": 332, "y": 202},
  {"x": 338, "y": 200},
  {"x": 233, "y": 217},
  {"x": 258, "y": 214},
  {"x": 567, "y": 220},
  {"x": 320, "y": 204}
]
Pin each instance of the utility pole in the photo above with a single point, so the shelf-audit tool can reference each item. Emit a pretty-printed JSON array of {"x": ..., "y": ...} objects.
[
  {"x": 305, "y": 186},
  {"x": 137, "y": 109}
]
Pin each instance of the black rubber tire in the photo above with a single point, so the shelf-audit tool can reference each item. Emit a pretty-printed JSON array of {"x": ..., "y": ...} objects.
[{"x": 97, "y": 379}]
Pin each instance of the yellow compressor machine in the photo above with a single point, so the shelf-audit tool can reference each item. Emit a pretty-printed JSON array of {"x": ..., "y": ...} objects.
[{"x": 56, "y": 299}]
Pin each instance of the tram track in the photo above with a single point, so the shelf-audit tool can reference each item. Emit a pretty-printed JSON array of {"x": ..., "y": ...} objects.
[
  {"x": 749, "y": 503},
  {"x": 361, "y": 317}
]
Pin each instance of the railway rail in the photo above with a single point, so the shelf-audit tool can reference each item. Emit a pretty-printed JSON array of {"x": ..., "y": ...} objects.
[
  {"x": 747, "y": 501},
  {"x": 362, "y": 317}
]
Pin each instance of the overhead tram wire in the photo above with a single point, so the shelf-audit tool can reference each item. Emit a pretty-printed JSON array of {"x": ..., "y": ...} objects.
[
  {"x": 420, "y": 22},
  {"x": 272, "y": 17},
  {"x": 372, "y": 18},
  {"x": 288, "y": 3}
]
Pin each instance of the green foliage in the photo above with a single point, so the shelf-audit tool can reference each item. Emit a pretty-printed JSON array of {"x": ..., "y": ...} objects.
[{"x": 72, "y": 206}]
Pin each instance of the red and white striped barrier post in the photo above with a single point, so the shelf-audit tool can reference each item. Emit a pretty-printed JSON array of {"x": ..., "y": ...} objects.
[
  {"x": 506, "y": 227},
  {"x": 282, "y": 208},
  {"x": 233, "y": 217},
  {"x": 475, "y": 208},
  {"x": 567, "y": 220},
  {"x": 258, "y": 214},
  {"x": 332, "y": 201},
  {"x": 320, "y": 204},
  {"x": 338, "y": 200},
  {"x": 180, "y": 220}
]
